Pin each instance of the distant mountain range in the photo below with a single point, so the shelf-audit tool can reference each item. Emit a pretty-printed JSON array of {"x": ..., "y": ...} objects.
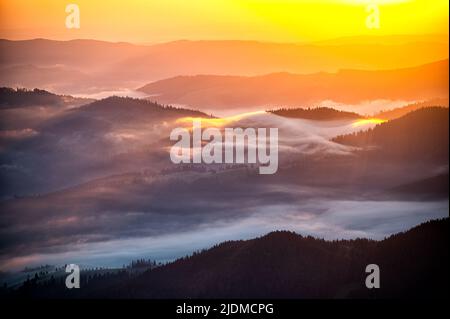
[
  {"x": 290, "y": 90},
  {"x": 282, "y": 264},
  {"x": 81, "y": 66}
]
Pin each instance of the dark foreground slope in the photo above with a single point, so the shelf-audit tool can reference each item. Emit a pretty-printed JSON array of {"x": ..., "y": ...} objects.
[
  {"x": 413, "y": 264},
  {"x": 421, "y": 135}
]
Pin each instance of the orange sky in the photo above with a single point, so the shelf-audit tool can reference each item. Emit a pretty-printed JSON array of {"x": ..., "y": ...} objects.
[{"x": 147, "y": 21}]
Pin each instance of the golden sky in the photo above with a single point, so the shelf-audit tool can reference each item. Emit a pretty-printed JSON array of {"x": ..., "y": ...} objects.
[{"x": 149, "y": 21}]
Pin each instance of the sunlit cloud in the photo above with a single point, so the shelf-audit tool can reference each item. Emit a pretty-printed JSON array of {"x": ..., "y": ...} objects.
[{"x": 218, "y": 122}]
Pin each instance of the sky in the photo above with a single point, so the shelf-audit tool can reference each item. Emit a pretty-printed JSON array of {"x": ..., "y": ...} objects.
[{"x": 151, "y": 21}]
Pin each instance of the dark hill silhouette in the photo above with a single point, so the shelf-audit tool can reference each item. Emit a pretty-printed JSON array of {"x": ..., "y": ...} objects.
[
  {"x": 319, "y": 114},
  {"x": 15, "y": 98},
  {"x": 401, "y": 111},
  {"x": 72, "y": 143},
  {"x": 286, "y": 265},
  {"x": 283, "y": 264},
  {"x": 113, "y": 112},
  {"x": 435, "y": 187},
  {"x": 421, "y": 135},
  {"x": 126, "y": 105}
]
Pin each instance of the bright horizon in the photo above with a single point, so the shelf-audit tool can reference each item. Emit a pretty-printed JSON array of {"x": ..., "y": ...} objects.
[
  {"x": 430, "y": 36},
  {"x": 294, "y": 21}
]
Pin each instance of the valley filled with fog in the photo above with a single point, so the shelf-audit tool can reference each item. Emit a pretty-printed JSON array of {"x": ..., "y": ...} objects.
[{"x": 93, "y": 184}]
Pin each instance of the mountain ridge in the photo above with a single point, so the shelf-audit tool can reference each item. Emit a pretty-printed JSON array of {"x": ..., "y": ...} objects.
[
  {"x": 346, "y": 86},
  {"x": 283, "y": 264},
  {"x": 119, "y": 65},
  {"x": 419, "y": 135}
]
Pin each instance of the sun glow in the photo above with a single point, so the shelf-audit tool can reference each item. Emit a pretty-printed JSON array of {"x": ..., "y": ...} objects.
[
  {"x": 218, "y": 122},
  {"x": 263, "y": 20},
  {"x": 368, "y": 121}
]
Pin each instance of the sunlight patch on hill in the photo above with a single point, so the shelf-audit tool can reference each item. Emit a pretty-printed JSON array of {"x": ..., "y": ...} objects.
[
  {"x": 218, "y": 122},
  {"x": 368, "y": 121}
]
